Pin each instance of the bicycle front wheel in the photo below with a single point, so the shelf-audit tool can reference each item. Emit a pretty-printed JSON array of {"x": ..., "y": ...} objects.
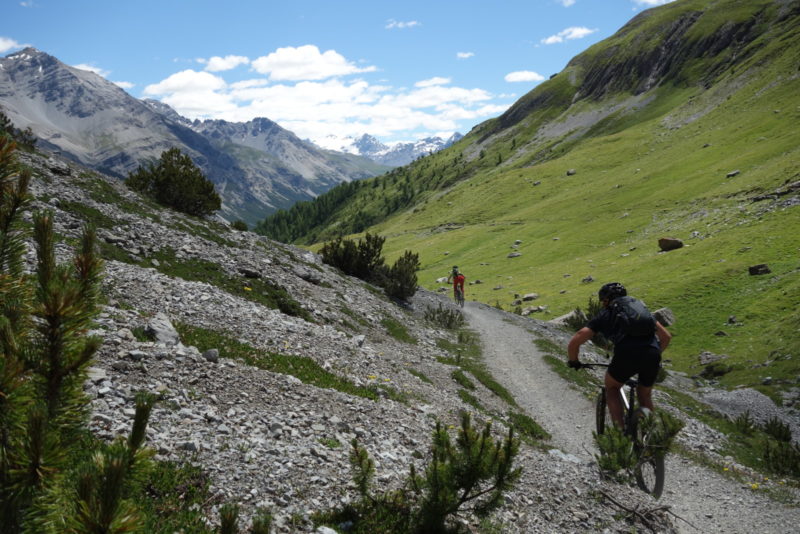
[{"x": 649, "y": 474}]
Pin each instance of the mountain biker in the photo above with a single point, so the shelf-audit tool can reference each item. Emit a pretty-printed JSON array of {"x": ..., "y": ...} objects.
[
  {"x": 632, "y": 354},
  {"x": 458, "y": 279}
]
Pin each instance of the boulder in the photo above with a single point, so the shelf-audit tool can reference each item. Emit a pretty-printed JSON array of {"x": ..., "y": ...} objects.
[
  {"x": 571, "y": 172},
  {"x": 160, "y": 328},
  {"x": 733, "y": 173},
  {"x": 759, "y": 269},
  {"x": 530, "y": 296},
  {"x": 664, "y": 316},
  {"x": 669, "y": 243},
  {"x": 515, "y": 254}
]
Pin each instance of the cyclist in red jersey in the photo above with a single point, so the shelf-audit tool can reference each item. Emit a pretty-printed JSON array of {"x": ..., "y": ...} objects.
[{"x": 458, "y": 281}]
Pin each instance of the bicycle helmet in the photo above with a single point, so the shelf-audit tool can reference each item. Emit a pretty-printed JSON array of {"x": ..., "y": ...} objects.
[
  {"x": 455, "y": 269},
  {"x": 611, "y": 291}
]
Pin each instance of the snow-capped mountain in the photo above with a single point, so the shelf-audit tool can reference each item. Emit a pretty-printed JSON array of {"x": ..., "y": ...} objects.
[
  {"x": 257, "y": 167},
  {"x": 395, "y": 155}
]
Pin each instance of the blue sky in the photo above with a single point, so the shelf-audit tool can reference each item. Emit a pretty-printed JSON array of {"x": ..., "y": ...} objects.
[{"x": 396, "y": 70}]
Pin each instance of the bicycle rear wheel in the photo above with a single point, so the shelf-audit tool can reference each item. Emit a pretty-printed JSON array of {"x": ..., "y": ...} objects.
[{"x": 459, "y": 297}]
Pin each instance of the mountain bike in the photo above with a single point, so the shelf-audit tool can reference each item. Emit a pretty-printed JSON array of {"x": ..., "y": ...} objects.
[
  {"x": 459, "y": 294},
  {"x": 649, "y": 467}
]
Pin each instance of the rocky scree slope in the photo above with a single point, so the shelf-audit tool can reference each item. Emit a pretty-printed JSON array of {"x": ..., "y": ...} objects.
[{"x": 267, "y": 439}]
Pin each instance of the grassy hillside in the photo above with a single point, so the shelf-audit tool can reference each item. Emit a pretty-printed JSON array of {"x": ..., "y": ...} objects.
[{"x": 652, "y": 121}]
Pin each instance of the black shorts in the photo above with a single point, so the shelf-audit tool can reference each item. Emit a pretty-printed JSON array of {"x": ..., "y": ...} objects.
[{"x": 644, "y": 361}]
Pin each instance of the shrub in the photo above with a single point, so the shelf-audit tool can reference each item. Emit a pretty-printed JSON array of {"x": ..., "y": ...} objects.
[
  {"x": 175, "y": 181},
  {"x": 778, "y": 430},
  {"x": 363, "y": 260},
  {"x": 744, "y": 423},
  {"x": 240, "y": 226},
  {"x": 24, "y": 139},
  {"x": 782, "y": 457},
  {"x": 474, "y": 471},
  {"x": 616, "y": 456},
  {"x": 402, "y": 279},
  {"x": 444, "y": 317}
]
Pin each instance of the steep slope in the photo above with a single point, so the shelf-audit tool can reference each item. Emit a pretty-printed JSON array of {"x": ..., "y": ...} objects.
[
  {"x": 96, "y": 123},
  {"x": 682, "y": 124}
]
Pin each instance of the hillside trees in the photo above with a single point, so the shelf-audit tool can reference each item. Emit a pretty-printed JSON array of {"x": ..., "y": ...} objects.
[{"x": 175, "y": 181}]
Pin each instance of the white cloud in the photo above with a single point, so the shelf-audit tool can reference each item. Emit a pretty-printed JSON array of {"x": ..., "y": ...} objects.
[
  {"x": 651, "y": 3},
  {"x": 92, "y": 68},
  {"x": 436, "y": 80},
  {"x": 7, "y": 44},
  {"x": 464, "y": 55},
  {"x": 305, "y": 63},
  {"x": 317, "y": 108},
  {"x": 392, "y": 24},
  {"x": 217, "y": 63},
  {"x": 27, "y": 3},
  {"x": 524, "y": 76},
  {"x": 567, "y": 3},
  {"x": 573, "y": 32},
  {"x": 125, "y": 85}
]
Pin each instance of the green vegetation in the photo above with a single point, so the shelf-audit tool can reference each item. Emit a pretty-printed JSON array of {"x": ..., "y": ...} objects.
[
  {"x": 475, "y": 471},
  {"x": 656, "y": 165},
  {"x": 258, "y": 290},
  {"x": 364, "y": 260},
  {"x": 527, "y": 428},
  {"x": 398, "y": 331},
  {"x": 175, "y": 181},
  {"x": 445, "y": 318},
  {"x": 54, "y": 475},
  {"x": 301, "y": 367}
]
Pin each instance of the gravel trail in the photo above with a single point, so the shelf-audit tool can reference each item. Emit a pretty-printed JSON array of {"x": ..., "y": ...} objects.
[{"x": 706, "y": 500}]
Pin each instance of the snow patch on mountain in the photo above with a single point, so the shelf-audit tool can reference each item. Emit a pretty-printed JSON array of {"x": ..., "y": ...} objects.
[{"x": 394, "y": 154}]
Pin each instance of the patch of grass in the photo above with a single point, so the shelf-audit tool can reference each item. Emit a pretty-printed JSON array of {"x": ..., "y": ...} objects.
[
  {"x": 526, "y": 427},
  {"x": 468, "y": 356},
  {"x": 88, "y": 214},
  {"x": 398, "y": 331},
  {"x": 470, "y": 399},
  {"x": 301, "y": 367},
  {"x": 420, "y": 375},
  {"x": 257, "y": 290},
  {"x": 463, "y": 380},
  {"x": 174, "y": 498},
  {"x": 331, "y": 443}
]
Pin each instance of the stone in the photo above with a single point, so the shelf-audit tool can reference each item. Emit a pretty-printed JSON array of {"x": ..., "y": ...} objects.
[
  {"x": 211, "y": 355},
  {"x": 161, "y": 329},
  {"x": 664, "y": 316},
  {"x": 571, "y": 172},
  {"x": 733, "y": 173},
  {"x": 669, "y": 243},
  {"x": 759, "y": 269}
]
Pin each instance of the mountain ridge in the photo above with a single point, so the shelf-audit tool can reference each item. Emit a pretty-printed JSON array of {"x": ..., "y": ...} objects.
[{"x": 99, "y": 125}]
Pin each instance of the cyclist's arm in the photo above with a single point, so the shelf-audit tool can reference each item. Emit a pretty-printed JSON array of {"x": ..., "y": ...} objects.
[
  {"x": 663, "y": 335},
  {"x": 581, "y": 336}
]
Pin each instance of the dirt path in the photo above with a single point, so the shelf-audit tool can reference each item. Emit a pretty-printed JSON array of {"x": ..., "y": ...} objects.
[{"x": 705, "y": 499}]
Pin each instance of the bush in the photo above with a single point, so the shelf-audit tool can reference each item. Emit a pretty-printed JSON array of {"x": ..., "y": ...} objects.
[
  {"x": 175, "y": 181},
  {"x": 402, "y": 280},
  {"x": 744, "y": 423},
  {"x": 363, "y": 260},
  {"x": 778, "y": 430},
  {"x": 25, "y": 139},
  {"x": 445, "y": 318},
  {"x": 782, "y": 457},
  {"x": 475, "y": 471},
  {"x": 240, "y": 226}
]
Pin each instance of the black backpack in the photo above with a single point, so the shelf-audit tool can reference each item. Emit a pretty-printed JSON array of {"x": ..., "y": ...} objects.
[{"x": 631, "y": 317}]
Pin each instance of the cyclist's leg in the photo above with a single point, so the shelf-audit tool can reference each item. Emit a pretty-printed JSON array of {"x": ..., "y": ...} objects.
[
  {"x": 645, "y": 395},
  {"x": 613, "y": 400},
  {"x": 650, "y": 363}
]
